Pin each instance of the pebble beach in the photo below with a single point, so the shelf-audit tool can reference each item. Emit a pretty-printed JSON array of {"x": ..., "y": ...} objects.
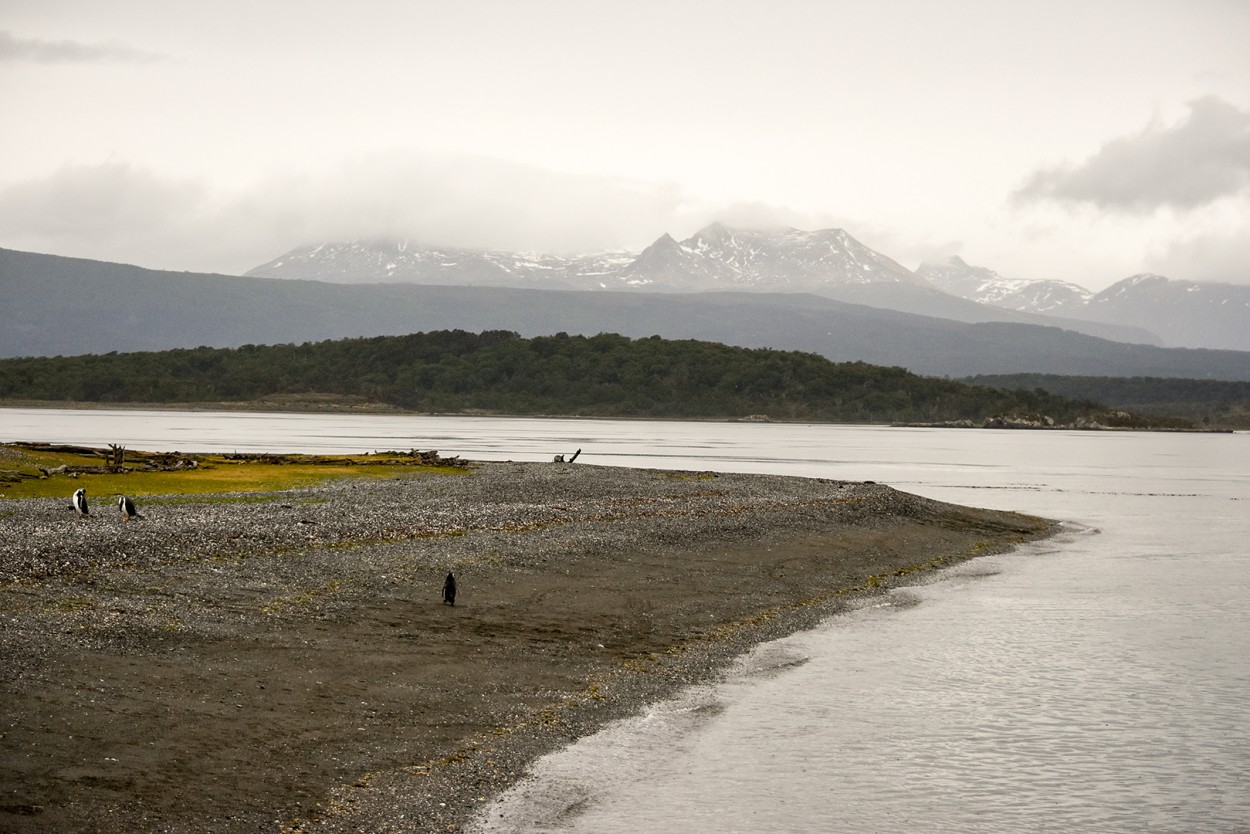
[{"x": 284, "y": 662}]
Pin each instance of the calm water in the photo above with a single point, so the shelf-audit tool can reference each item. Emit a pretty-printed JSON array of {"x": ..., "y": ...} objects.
[{"x": 1096, "y": 682}]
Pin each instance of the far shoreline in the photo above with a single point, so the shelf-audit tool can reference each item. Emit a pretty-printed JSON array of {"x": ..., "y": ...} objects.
[{"x": 334, "y": 405}]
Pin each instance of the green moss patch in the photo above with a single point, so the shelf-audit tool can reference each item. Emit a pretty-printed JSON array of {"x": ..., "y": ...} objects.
[{"x": 37, "y": 473}]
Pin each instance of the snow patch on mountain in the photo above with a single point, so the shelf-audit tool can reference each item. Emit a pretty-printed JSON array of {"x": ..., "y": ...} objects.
[
  {"x": 714, "y": 258},
  {"x": 370, "y": 262},
  {"x": 985, "y": 286}
]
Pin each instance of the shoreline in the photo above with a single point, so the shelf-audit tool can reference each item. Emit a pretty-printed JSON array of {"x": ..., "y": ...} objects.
[
  {"x": 336, "y": 406},
  {"x": 314, "y": 405},
  {"x": 287, "y": 665}
]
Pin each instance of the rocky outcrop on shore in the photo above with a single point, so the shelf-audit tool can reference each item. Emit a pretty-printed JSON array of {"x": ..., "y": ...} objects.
[
  {"x": 285, "y": 662},
  {"x": 1105, "y": 421}
]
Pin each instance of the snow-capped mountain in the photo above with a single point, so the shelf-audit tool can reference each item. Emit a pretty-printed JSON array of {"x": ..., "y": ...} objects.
[
  {"x": 714, "y": 258},
  {"x": 828, "y": 262},
  {"x": 985, "y": 286},
  {"x": 1180, "y": 313},
  {"x": 386, "y": 262},
  {"x": 1183, "y": 313},
  {"x": 777, "y": 260}
]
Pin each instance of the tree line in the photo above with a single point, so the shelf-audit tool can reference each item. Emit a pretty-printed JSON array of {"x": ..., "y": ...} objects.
[
  {"x": 498, "y": 371},
  {"x": 1211, "y": 402}
]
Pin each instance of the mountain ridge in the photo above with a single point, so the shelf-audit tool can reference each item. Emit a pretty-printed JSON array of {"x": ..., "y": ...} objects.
[
  {"x": 52, "y": 305},
  {"x": 985, "y": 286},
  {"x": 715, "y": 257},
  {"x": 1182, "y": 313},
  {"x": 827, "y": 262}
]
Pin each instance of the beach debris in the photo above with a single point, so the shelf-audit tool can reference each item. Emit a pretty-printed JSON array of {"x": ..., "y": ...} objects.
[
  {"x": 560, "y": 458},
  {"x": 117, "y": 456},
  {"x": 114, "y": 460}
]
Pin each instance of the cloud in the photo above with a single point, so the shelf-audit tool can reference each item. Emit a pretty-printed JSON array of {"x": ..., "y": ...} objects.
[
  {"x": 112, "y": 212},
  {"x": 481, "y": 202},
  {"x": 15, "y": 50},
  {"x": 759, "y": 215},
  {"x": 121, "y": 212},
  {"x": 1198, "y": 160},
  {"x": 909, "y": 251},
  {"x": 95, "y": 199},
  {"x": 1209, "y": 257}
]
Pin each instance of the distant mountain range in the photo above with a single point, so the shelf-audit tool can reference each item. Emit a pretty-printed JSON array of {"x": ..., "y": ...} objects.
[
  {"x": 1181, "y": 313},
  {"x": 52, "y": 305},
  {"x": 829, "y": 262},
  {"x": 714, "y": 258}
]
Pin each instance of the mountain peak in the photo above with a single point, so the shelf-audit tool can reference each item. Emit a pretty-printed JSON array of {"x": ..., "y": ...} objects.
[
  {"x": 1145, "y": 278},
  {"x": 985, "y": 286},
  {"x": 714, "y": 229},
  {"x": 1184, "y": 313},
  {"x": 1136, "y": 286},
  {"x": 714, "y": 235}
]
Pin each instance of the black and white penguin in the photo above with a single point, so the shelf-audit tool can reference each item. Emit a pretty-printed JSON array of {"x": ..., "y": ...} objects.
[
  {"x": 80, "y": 501},
  {"x": 127, "y": 507},
  {"x": 449, "y": 590}
]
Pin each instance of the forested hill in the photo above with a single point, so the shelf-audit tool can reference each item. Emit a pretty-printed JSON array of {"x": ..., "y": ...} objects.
[{"x": 498, "y": 371}]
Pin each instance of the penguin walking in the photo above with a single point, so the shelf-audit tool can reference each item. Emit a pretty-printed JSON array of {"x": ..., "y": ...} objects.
[
  {"x": 80, "y": 502},
  {"x": 449, "y": 590},
  {"x": 126, "y": 505}
]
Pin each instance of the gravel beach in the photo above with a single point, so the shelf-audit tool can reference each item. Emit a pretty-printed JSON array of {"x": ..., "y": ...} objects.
[{"x": 285, "y": 662}]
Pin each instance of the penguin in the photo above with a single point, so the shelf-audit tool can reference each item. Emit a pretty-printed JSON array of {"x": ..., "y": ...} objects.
[
  {"x": 80, "y": 502},
  {"x": 127, "y": 507},
  {"x": 449, "y": 590}
]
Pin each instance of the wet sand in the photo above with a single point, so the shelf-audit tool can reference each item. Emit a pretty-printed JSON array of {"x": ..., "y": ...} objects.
[{"x": 287, "y": 664}]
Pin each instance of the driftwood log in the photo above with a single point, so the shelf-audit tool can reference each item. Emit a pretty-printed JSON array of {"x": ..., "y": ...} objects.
[
  {"x": 116, "y": 455},
  {"x": 115, "y": 460},
  {"x": 414, "y": 457}
]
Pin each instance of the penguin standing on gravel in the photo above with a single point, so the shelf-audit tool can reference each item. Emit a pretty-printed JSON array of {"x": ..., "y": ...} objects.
[
  {"x": 126, "y": 505},
  {"x": 80, "y": 502},
  {"x": 449, "y": 590}
]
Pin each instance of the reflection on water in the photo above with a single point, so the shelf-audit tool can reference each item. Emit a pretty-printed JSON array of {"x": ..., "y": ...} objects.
[
  {"x": 1075, "y": 689},
  {"x": 1093, "y": 682}
]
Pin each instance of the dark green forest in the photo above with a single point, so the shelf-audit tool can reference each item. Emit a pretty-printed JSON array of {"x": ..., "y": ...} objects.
[
  {"x": 1209, "y": 402},
  {"x": 499, "y": 372}
]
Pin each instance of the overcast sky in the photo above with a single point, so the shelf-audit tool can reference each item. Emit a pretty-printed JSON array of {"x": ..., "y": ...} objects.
[{"x": 1085, "y": 141}]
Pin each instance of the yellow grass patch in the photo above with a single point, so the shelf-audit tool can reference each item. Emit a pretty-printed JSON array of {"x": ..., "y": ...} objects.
[{"x": 21, "y": 476}]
